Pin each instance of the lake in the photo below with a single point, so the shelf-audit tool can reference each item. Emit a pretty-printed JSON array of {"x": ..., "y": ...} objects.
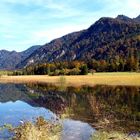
[{"x": 81, "y": 110}]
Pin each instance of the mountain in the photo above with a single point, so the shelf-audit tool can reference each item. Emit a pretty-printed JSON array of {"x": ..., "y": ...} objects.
[
  {"x": 107, "y": 39},
  {"x": 137, "y": 19},
  {"x": 25, "y": 54},
  {"x": 124, "y": 18},
  {"x": 127, "y": 19},
  {"x": 9, "y": 59}
]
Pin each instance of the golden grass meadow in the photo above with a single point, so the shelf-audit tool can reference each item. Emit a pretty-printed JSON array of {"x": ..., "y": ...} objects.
[{"x": 114, "y": 78}]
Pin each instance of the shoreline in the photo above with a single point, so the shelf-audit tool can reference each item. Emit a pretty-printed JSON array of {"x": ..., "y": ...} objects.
[{"x": 114, "y": 79}]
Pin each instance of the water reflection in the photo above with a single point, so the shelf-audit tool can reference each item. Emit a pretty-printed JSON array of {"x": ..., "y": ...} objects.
[
  {"x": 21, "y": 112},
  {"x": 103, "y": 107},
  {"x": 21, "y": 103}
]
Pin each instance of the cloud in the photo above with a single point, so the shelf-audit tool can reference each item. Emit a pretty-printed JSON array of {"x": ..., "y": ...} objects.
[{"x": 48, "y": 35}]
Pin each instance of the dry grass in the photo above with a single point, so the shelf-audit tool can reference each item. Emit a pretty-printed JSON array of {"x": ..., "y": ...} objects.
[
  {"x": 41, "y": 130},
  {"x": 132, "y": 79},
  {"x": 99, "y": 135}
]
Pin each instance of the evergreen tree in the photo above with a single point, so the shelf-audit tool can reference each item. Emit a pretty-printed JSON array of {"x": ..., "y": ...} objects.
[{"x": 84, "y": 70}]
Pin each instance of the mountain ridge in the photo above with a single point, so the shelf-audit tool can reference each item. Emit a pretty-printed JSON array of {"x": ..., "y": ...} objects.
[
  {"x": 9, "y": 59},
  {"x": 85, "y": 43},
  {"x": 106, "y": 39}
]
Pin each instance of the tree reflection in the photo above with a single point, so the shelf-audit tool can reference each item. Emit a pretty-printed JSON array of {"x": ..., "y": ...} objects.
[{"x": 104, "y": 107}]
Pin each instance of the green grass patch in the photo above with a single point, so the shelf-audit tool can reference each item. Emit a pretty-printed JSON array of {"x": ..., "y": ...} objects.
[{"x": 4, "y": 72}]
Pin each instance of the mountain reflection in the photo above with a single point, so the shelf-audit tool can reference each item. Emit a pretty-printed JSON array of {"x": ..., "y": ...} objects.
[{"x": 104, "y": 107}]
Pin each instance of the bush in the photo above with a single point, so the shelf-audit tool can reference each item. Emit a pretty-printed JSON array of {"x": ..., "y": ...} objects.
[
  {"x": 41, "y": 130},
  {"x": 74, "y": 71}
]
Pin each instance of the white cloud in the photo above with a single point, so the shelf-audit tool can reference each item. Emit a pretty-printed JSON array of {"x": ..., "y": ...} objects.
[{"x": 44, "y": 36}]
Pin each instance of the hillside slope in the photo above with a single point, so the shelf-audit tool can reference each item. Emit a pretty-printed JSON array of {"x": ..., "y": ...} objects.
[
  {"x": 9, "y": 59},
  {"x": 106, "y": 39}
]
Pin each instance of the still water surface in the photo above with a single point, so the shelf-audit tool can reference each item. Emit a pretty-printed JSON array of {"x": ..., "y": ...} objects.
[{"x": 81, "y": 110}]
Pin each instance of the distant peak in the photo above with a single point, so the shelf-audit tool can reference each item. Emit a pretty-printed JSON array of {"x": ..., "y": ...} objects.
[
  {"x": 104, "y": 20},
  {"x": 123, "y": 17},
  {"x": 138, "y": 17}
]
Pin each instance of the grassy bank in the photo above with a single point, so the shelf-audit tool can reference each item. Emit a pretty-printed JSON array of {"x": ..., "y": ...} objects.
[
  {"x": 40, "y": 129},
  {"x": 115, "y": 78},
  {"x": 102, "y": 135}
]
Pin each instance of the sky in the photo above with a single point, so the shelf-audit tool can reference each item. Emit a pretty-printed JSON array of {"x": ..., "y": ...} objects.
[{"x": 24, "y": 23}]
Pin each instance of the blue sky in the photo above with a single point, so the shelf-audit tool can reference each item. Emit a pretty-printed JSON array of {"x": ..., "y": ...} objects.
[{"x": 24, "y": 23}]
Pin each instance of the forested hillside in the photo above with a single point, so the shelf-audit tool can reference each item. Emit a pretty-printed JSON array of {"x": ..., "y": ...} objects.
[{"x": 110, "y": 44}]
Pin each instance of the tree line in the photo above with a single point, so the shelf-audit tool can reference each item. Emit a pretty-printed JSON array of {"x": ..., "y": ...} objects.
[{"x": 82, "y": 67}]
